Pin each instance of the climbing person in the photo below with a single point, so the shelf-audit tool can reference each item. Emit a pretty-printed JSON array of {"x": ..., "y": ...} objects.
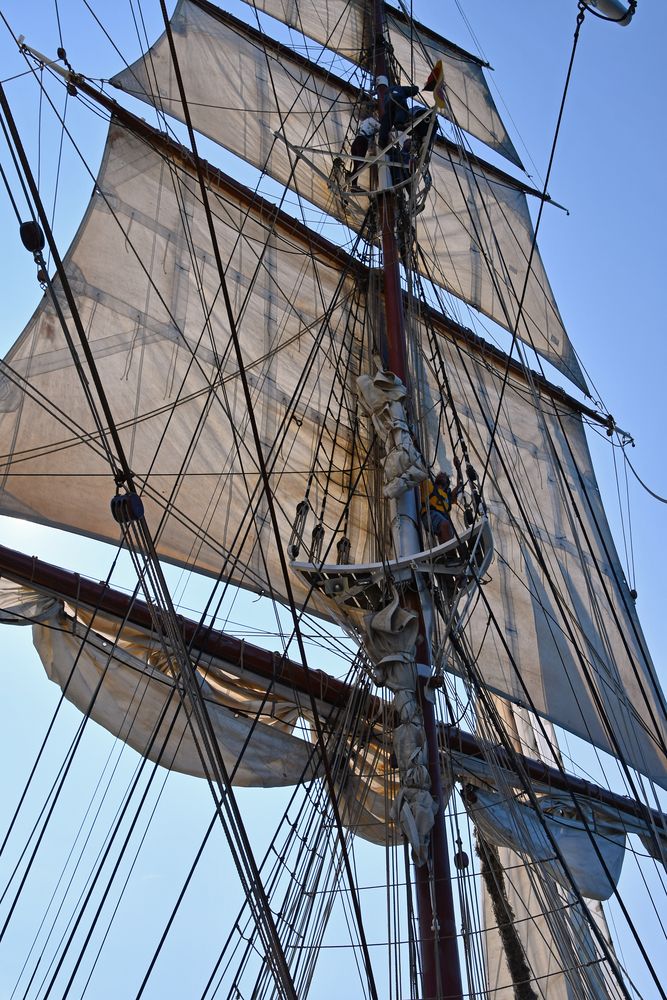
[
  {"x": 412, "y": 146},
  {"x": 396, "y": 114},
  {"x": 438, "y": 498},
  {"x": 368, "y": 128}
]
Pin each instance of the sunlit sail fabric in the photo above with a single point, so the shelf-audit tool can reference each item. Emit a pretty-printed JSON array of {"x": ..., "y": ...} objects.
[
  {"x": 166, "y": 352},
  {"x": 566, "y": 633},
  {"x": 123, "y": 680},
  {"x": 120, "y": 676},
  {"x": 343, "y": 28},
  {"x": 549, "y": 921},
  {"x": 563, "y": 956},
  {"x": 165, "y": 357},
  {"x": 593, "y": 860},
  {"x": 475, "y": 232}
]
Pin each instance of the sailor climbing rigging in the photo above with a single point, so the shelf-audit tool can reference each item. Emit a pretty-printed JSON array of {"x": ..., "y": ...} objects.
[
  {"x": 438, "y": 497},
  {"x": 396, "y": 115},
  {"x": 368, "y": 128}
]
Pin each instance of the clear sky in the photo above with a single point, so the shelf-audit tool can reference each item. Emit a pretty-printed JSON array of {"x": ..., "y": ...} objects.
[{"x": 607, "y": 264}]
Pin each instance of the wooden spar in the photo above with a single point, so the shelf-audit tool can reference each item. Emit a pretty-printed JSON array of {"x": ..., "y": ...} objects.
[
  {"x": 28, "y": 571},
  {"x": 441, "y": 972},
  {"x": 31, "y": 572}
]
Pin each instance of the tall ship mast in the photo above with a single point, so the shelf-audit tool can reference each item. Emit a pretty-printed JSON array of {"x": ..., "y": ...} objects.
[{"x": 320, "y": 383}]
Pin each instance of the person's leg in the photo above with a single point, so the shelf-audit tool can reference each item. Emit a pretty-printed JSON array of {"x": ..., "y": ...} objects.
[
  {"x": 445, "y": 530},
  {"x": 358, "y": 148}
]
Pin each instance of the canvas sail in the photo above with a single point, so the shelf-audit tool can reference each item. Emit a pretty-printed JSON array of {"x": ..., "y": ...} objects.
[
  {"x": 344, "y": 28},
  {"x": 121, "y": 675},
  {"x": 548, "y": 925},
  {"x": 267, "y": 104},
  {"x": 171, "y": 380}
]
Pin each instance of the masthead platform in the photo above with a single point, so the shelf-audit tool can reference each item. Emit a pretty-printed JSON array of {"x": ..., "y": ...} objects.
[{"x": 456, "y": 566}]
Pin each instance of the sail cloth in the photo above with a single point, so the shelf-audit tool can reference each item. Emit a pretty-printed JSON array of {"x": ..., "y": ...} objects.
[
  {"x": 555, "y": 628},
  {"x": 342, "y": 26},
  {"x": 120, "y": 675},
  {"x": 564, "y": 957},
  {"x": 567, "y": 636},
  {"x": 382, "y": 397},
  {"x": 592, "y": 851},
  {"x": 123, "y": 680},
  {"x": 475, "y": 231},
  {"x": 167, "y": 361}
]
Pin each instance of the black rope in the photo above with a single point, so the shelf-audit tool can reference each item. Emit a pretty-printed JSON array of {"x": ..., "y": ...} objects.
[
  {"x": 264, "y": 474},
  {"x": 500, "y": 632},
  {"x": 641, "y": 482},
  {"x": 125, "y": 476}
]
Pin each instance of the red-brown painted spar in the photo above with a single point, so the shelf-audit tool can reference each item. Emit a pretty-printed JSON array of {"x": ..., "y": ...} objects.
[
  {"x": 47, "y": 578},
  {"x": 30, "y": 571}
]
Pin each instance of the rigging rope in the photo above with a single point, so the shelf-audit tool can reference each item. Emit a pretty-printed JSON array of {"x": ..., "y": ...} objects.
[
  {"x": 656, "y": 496},
  {"x": 579, "y": 23},
  {"x": 512, "y": 482},
  {"x": 633, "y": 470},
  {"x": 268, "y": 497},
  {"x": 125, "y": 476}
]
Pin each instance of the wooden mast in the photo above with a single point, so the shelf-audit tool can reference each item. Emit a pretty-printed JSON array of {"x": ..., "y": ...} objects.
[{"x": 441, "y": 973}]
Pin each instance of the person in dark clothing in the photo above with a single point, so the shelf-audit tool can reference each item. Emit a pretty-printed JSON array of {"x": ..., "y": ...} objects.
[
  {"x": 396, "y": 113},
  {"x": 419, "y": 144},
  {"x": 366, "y": 131}
]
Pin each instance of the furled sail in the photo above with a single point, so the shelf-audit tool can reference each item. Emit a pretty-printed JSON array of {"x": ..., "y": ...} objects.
[
  {"x": 266, "y": 104},
  {"x": 555, "y": 625},
  {"x": 343, "y": 28},
  {"x": 121, "y": 675},
  {"x": 593, "y": 859},
  {"x": 122, "y": 679}
]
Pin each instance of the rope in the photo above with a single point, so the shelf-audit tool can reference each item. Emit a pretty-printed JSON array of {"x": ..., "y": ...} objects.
[
  {"x": 494, "y": 880},
  {"x": 561, "y": 110},
  {"x": 641, "y": 482}
]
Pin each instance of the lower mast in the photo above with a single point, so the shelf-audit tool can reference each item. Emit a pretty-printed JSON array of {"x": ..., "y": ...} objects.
[{"x": 441, "y": 972}]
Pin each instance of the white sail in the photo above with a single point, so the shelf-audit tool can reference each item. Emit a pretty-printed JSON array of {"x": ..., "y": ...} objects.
[
  {"x": 344, "y": 28},
  {"x": 475, "y": 231},
  {"x": 169, "y": 371},
  {"x": 121, "y": 677},
  {"x": 529, "y": 909}
]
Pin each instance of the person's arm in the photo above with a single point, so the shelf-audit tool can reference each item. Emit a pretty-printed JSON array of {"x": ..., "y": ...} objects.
[{"x": 458, "y": 489}]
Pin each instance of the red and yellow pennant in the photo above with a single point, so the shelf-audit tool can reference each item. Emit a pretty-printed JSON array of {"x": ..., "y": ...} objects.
[{"x": 436, "y": 84}]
